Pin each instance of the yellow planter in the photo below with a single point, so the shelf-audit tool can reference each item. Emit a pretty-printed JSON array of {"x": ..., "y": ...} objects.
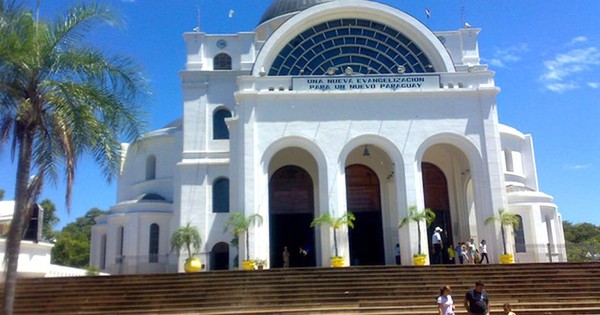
[
  {"x": 507, "y": 259},
  {"x": 248, "y": 265},
  {"x": 337, "y": 262},
  {"x": 419, "y": 260},
  {"x": 192, "y": 265}
]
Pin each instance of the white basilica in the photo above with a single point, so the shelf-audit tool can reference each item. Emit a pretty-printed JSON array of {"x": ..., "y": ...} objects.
[{"x": 328, "y": 106}]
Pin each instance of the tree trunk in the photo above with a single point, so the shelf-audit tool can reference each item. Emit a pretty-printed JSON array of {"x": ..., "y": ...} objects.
[
  {"x": 335, "y": 243},
  {"x": 419, "y": 234},
  {"x": 247, "y": 245},
  {"x": 503, "y": 238},
  {"x": 19, "y": 220}
]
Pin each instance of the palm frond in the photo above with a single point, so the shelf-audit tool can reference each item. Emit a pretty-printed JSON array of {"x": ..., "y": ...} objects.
[
  {"x": 414, "y": 215},
  {"x": 186, "y": 238},
  {"x": 238, "y": 223}
]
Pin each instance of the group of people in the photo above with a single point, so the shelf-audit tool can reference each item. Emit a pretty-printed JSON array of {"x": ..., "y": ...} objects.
[
  {"x": 476, "y": 301},
  {"x": 469, "y": 253},
  {"x": 466, "y": 252},
  {"x": 302, "y": 256}
]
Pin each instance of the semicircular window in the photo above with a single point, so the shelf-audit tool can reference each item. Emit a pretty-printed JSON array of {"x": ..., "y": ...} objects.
[{"x": 368, "y": 47}]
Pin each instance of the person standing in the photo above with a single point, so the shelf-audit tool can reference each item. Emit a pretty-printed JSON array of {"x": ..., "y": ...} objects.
[
  {"x": 473, "y": 250},
  {"x": 436, "y": 240},
  {"x": 467, "y": 250},
  {"x": 483, "y": 251},
  {"x": 397, "y": 253},
  {"x": 476, "y": 300},
  {"x": 286, "y": 257},
  {"x": 451, "y": 254},
  {"x": 445, "y": 302},
  {"x": 459, "y": 253},
  {"x": 465, "y": 253},
  {"x": 302, "y": 253}
]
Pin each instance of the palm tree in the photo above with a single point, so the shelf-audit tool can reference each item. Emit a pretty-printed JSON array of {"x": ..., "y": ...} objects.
[
  {"x": 415, "y": 215},
  {"x": 58, "y": 100},
  {"x": 505, "y": 218},
  {"x": 188, "y": 238},
  {"x": 346, "y": 219},
  {"x": 241, "y": 224}
]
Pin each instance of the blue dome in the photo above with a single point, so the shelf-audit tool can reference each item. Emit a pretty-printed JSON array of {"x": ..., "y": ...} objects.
[{"x": 281, "y": 7}]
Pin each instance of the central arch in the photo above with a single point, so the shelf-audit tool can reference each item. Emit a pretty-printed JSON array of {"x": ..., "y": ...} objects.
[
  {"x": 363, "y": 199},
  {"x": 435, "y": 187},
  {"x": 291, "y": 210}
]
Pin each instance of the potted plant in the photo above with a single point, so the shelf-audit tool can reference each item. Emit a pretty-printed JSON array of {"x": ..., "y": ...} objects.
[
  {"x": 260, "y": 263},
  {"x": 346, "y": 219},
  {"x": 417, "y": 216},
  {"x": 188, "y": 238},
  {"x": 508, "y": 219},
  {"x": 241, "y": 224}
]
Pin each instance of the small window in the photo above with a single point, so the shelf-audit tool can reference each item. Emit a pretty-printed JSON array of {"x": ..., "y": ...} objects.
[
  {"x": 220, "y": 130},
  {"x": 120, "y": 244},
  {"x": 220, "y": 195},
  {"x": 153, "y": 248},
  {"x": 222, "y": 61},
  {"x": 509, "y": 160},
  {"x": 151, "y": 167},
  {"x": 520, "y": 237},
  {"x": 103, "y": 252}
]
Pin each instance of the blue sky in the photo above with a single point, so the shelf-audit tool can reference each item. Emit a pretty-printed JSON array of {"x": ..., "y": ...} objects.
[{"x": 546, "y": 55}]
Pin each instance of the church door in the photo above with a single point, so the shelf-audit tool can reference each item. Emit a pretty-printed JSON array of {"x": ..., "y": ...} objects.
[
  {"x": 435, "y": 187},
  {"x": 291, "y": 210},
  {"x": 364, "y": 201}
]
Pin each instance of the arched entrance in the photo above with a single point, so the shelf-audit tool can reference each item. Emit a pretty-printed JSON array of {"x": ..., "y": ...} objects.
[
  {"x": 363, "y": 197},
  {"x": 291, "y": 210},
  {"x": 219, "y": 258},
  {"x": 435, "y": 187}
]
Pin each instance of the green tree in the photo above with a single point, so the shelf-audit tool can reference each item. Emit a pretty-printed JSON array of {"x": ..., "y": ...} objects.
[
  {"x": 188, "y": 238},
  {"x": 50, "y": 219},
  {"x": 506, "y": 219},
  {"x": 60, "y": 98},
  {"x": 582, "y": 241},
  {"x": 345, "y": 220},
  {"x": 72, "y": 247},
  {"x": 241, "y": 224},
  {"x": 1, "y": 194},
  {"x": 414, "y": 215}
]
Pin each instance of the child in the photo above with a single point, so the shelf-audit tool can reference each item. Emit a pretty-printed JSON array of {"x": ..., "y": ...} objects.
[
  {"x": 508, "y": 310},
  {"x": 451, "y": 254}
]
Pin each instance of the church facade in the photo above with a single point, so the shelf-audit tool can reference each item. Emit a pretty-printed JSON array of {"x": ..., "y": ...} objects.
[{"x": 326, "y": 107}]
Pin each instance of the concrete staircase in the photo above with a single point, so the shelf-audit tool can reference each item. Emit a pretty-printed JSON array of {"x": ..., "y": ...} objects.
[{"x": 560, "y": 288}]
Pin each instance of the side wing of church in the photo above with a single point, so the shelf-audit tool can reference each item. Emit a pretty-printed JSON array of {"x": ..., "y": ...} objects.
[{"x": 329, "y": 107}]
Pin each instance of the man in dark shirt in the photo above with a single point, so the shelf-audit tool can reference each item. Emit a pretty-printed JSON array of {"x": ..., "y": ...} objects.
[{"x": 476, "y": 300}]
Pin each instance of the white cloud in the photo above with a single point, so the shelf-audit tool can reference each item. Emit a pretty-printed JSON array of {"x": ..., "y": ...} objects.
[
  {"x": 502, "y": 57},
  {"x": 578, "y": 39},
  {"x": 576, "y": 167},
  {"x": 559, "y": 87},
  {"x": 559, "y": 71},
  {"x": 496, "y": 63},
  {"x": 593, "y": 85}
]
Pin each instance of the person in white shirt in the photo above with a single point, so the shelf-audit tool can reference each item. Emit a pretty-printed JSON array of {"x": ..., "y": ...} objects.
[
  {"x": 469, "y": 253},
  {"x": 445, "y": 302},
  {"x": 483, "y": 252},
  {"x": 436, "y": 240}
]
